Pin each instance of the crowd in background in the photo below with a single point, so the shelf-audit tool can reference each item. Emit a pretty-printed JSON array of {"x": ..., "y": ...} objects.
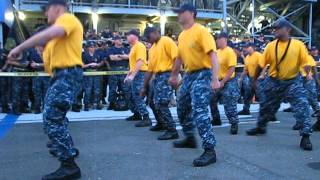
[{"x": 104, "y": 51}]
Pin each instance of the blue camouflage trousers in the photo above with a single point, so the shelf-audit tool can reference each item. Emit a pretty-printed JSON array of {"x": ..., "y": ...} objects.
[
  {"x": 249, "y": 92},
  {"x": 135, "y": 101},
  {"x": 229, "y": 96},
  {"x": 92, "y": 89},
  {"x": 192, "y": 106},
  {"x": 39, "y": 87},
  {"x": 274, "y": 92},
  {"x": 311, "y": 88},
  {"x": 21, "y": 89},
  {"x": 116, "y": 83},
  {"x": 163, "y": 92},
  {"x": 4, "y": 91},
  {"x": 152, "y": 105},
  {"x": 64, "y": 87}
]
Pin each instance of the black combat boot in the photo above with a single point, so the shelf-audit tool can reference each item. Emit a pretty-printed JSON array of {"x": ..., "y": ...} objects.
[
  {"x": 234, "y": 129},
  {"x": 68, "y": 170},
  {"x": 99, "y": 106},
  {"x": 305, "y": 143},
  {"x": 244, "y": 112},
  {"x": 37, "y": 110},
  {"x": 216, "y": 121},
  {"x": 316, "y": 126},
  {"x": 288, "y": 110},
  {"x": 5, "y": 109},
  {"x": 134, "y": 117},
  {"x": 25, "y": 110},
  {"x": 169, "y": 134},
  {"x": 16, "y": 111},
  {"x": 256, "y": 131},
  {"x": 75, "y": 108},
  {"x": 208, "y": 157},
  {"x": 145, "y": 122},
  {"x": 158, "y": 127},
  {"x": 188, "y": 142},
  {"x": 111, "y": 106},
  {"x": 297, "y": 127},
  {"x": 86, "y": 107},
  {"x": 273, "y": 119}
]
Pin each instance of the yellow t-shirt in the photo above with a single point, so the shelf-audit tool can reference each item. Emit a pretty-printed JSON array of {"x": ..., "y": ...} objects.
[
  {"x": 194, "y": 45},
  {"x": 227, "y": 58},
  {"x": 138, "y": 52},
  {"x": 295, "y": 59},
  {"x": 252, "y": 62},
  {"x": 66, "y": 51},
  {"x": 162, "y": 55},
  {"x": 311, "y": 62}
]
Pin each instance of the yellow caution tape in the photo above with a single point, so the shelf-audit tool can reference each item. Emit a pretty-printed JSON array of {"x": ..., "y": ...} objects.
[
  {"x": 42, "y": 74},
  {"x": 93, "y": 73}
]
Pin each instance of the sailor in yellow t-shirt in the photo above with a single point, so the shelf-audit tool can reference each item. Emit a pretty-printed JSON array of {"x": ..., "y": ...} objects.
[
  {"x": 64, "y": 38},
  {"x": 286, "y": 57},
  {"x": 251, "y": 65},
  {"x": 134, "y": 80},
  {"x": 229, "y": 92},
  {"x": 309, "y": 83},
  {"x": 197, "y": 52},
  {"x": 162, "y": 55}
]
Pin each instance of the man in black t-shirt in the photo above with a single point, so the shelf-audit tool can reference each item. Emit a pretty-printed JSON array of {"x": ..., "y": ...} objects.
[{"x": 118, "y": 60}]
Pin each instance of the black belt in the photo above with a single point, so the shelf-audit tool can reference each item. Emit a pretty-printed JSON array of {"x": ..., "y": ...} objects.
[
  {"x": 163, "y": 72},
  {"x": 198, "y": 70},
  {"x": 67, "y": 68},
  {"x": 285, "y": 80}
]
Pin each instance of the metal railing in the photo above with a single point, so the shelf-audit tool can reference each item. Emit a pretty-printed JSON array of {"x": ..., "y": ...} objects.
[{"x": 202, "y": 5}]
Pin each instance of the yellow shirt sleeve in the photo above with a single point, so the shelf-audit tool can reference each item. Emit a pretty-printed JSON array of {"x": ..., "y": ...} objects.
[
  {"x": 207, "y": 42},
  {"x": 66, "y": 22}
]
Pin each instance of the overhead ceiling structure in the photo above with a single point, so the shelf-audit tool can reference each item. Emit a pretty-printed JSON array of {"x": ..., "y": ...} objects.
[{"x": 242, "y": 15}]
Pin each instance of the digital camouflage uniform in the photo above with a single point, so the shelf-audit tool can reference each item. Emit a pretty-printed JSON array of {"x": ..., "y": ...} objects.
[
  {"x": 192, "y": 106},
  {"x": 4, "y": 85},
  {"x": 136, "y": 102},
  {"x": 21, "y": 86},
  {"x": 311, "y": 88},
  {"x": 92, "y": 84},
  {"x": 229, "y": 96},
  {"x": 151, "y": 102},
  {"x": 162, "y": 97},
  {"x": 274, "y": 91},
  {"x": 249, "y": 92},
  {"x": 64, "y": 87},
  {"x": 116, "y": 83}
]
